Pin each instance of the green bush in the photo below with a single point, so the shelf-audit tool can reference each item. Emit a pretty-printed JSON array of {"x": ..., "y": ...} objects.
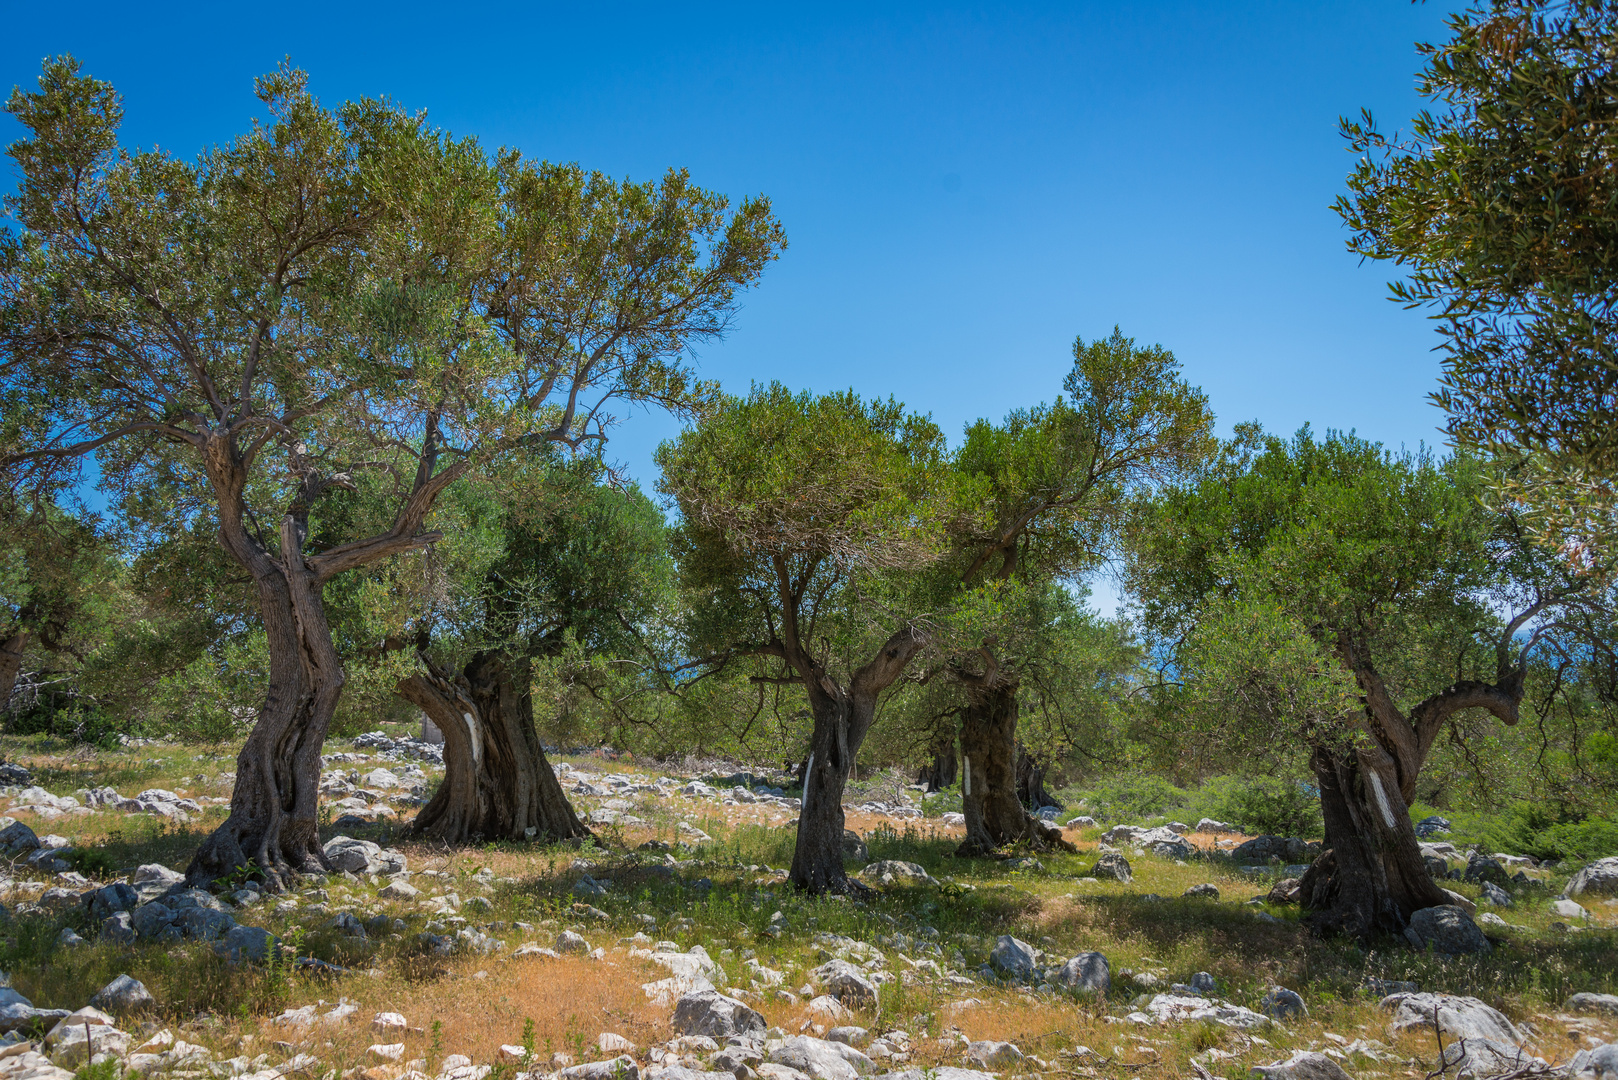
[
  {"x": 1276, "y": 805},
  {"x": 1129, "y": 797},
  {"x": 72, "y": 721},
  {"x": 1546, "y": 833}
]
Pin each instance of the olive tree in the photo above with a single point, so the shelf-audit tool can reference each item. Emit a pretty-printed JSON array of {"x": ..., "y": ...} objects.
[
  {"x": 334, "y": 299},
  {"x": 1327, "y": 598},
  {"x": 802, "y": 522}
]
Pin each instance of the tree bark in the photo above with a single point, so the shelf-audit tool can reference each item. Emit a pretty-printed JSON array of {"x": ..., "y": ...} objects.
[
  {"x": 1031, "y": 781},
  {"x": 995, "y": 816},
  {"x": 11, "y": 657},
  {"x": 273, "y": 824},
  {"x": 944, "y": 769},
  {"x": 497, "y": 784},
  {"x": 843, "y": 716},
  {"x": 1372, "y": 877}
]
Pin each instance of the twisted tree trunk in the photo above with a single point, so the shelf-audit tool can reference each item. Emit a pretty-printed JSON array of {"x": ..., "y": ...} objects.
[
  {"x": 497, "y": 784},
  {"x": 273, "y": 824},
  {"x": 1372, "y": 878},
  {"x": 995, "y": 816},
  {"x": 843, "y": 716}
]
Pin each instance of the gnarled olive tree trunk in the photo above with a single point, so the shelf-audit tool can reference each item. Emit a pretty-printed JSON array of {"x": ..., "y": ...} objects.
[
  {"x": 843, "y": 716},
  {"x": 273, "y": 824},
  {"x": 1372, "y": 878},
  {"x": 995, "y": 815},
  {"x": 497, "y": 783}
]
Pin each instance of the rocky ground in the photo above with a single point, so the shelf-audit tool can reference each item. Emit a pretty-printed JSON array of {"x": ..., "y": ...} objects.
[{"x": 673, "y": 947}]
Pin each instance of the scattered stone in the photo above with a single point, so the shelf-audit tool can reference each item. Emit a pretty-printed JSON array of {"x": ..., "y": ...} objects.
[
  {"x": 1482, "y": 1058},
  {"x": 389, "y": 1021},
  {"x": 1600, "y": 1062},
  {"x": 1494, "y": 894},
  {"x": 1112, "y": 867},
  {"x": 1171, "y": 1008},
  {"x": 1288, "y": 849},
  {"x": 1014, "y": 958},
  {"x": 849, "y": 1035},
  {"x": 1087, "y": 972},
  {"x": 1302, "y": 1065},
  {"x": 619, "y": 1068},
  {"x": 1283, "y": 1004},
  {"x": 1446, "y": 929},
  {"x": 988, "y": 1054},
  {"x": 708, "y": 1012},
  {"x": 252, "y": 943},
  {"x": 124, "y": 994},
  {"x": 1209, "y": 825},
  {"x": 1204, "y": 984},
  {"x": 855, "y": 848},
  {"x": 893, "y": 872},
  {"x": 118, "y": 929},
  {"x": 569, "y": 942},
  {"x": 1209, "y": 890},
  {"x": 1462, "y": 1017},
  {"x": 399, "y": 890}
]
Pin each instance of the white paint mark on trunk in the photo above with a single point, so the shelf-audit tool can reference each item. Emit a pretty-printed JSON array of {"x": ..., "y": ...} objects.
[
  {"x": 966, "y": 776},
  {"x": 808, "y": 773},
  {"x": 1381, "y": 798},
  {"x": 477, "y": 740}
]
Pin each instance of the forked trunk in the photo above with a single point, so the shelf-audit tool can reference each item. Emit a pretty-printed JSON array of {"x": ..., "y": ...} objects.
[
  {"x": 1031, "y": 781},
  {"x": 497, "y": 784},
  {"x": 11, "y": 657},
  {"x": 995, "y": 816},
  {"x": 1372, "y": 877},
  {"x": 273, "y": 825},
  {"x": 817, "y": 858}
]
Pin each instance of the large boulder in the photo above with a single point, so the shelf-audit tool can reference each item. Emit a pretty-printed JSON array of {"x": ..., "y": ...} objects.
[
  {"x": 1461, "y": 1017},
  {"x": 125, "y": 994},
  {"x": 708, "y": 1012},
  {"x": 1283, "y": 1004},
  {"x": 1014, "y": 958},
  {"x": 1483, "y": 1058},
  {"x": 355, "y": 856},
  {"x": 17, "y": 838},
  {"x": 1087, "y": 972},
  {"x": 1112, "y": 866},
  {"x": 822, "y": 1059},
  {"x": 989, "y": 1054},
  {"x": 1176, "y": 1008},
  {"x": 1446, "y": 929},
  {"x": 1606, "y": 1003},
  {"x": 843, "y": 981},
  {"x": 1600, "y": 1062},
  {"x": 246, "y": 943},
  {"x": 1481, "y": 868},
  {"x": 1302, "y": 1065},
  {"x": 17, "y": 1013},
  {"x": 1600, "y": 877},
  {"x": 109, "y": 900}
]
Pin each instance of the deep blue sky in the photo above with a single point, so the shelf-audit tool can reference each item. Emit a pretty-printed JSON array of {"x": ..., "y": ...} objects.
[{"x": 965, "y": 189}]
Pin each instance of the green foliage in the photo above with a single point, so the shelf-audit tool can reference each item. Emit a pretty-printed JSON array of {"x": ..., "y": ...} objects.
[
  {"x": 1501, "y": 210},
  {"x": 1130, "y": 796},
  {"x": 1274, "y": 805},
  {"x": 1539, "y": 830}
]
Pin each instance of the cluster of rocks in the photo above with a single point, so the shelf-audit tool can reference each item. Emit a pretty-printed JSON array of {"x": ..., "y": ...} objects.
[
  {"x": 1016, "y": 961},
  {"x": 48, "y": 807},
  {"x": 1167, "y": 841},
  {"x": 402, "y": 748},
  {"x": 159, "y": 801}
]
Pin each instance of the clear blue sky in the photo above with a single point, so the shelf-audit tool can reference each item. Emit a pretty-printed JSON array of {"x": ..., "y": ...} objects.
[{"x": 965, "y": 189}]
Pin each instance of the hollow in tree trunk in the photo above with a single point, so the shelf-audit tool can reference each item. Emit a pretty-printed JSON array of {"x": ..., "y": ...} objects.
[
  {"x": 497, "y": 783},
  {"x": 995, "y": 816},
  {"x": 1372, "y": 877},
  {"x": 273, "y": 825}
]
